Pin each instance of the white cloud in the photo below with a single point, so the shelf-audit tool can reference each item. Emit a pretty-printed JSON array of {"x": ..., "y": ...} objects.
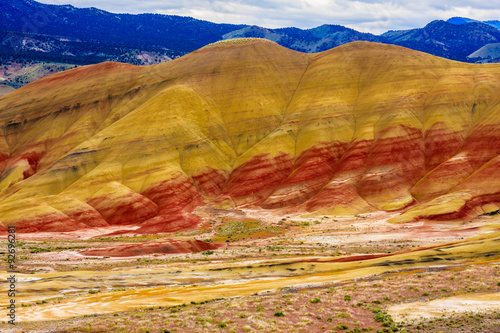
[{"x": 376, "y": 16}]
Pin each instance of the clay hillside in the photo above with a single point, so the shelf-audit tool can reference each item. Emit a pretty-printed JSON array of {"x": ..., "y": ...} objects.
[{"x": 248, "y": 123}]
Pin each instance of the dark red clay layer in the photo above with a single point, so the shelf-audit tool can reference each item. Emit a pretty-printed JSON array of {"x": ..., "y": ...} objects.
[
  {"x": 314, "y": 169},
  {"x": 53, "y": 222},
  {"x": 87, "y": 215},
  {"x": 441, "y": 144},
  {"x": 255, "y": 180},
  {"x": 130, "y": 209},
  {"x": 393, "y": 166},
  {"x": 164, "y": 224},
  {"x": 211, "y": 181},
  {"x": 481, "y": 146},
  {"x": 326, "y": 175},
  {"x": 140, "y": 249},
  {"x": 175, "y": 195}
]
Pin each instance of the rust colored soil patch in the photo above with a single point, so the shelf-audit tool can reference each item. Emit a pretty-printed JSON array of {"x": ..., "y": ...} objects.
[{"x": 146, "y": 248}]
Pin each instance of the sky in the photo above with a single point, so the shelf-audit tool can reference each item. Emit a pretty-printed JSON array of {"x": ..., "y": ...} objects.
[{"x": 375, "y": 16}]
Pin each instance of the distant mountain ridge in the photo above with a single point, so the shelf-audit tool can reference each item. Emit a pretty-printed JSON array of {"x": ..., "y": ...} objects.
[
  {"x": 440, "y": 38},
  {"x": 182, "y": 34},
  {"x": 445, "y": 39},
  {"x": 317, "y": 39},
  {"x": 464, "y": 20},
  {"x": 488, "y": 53},
  {"x": 35, "y": 32}
]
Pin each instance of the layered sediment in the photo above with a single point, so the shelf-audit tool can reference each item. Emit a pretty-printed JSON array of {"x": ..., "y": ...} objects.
[{"x": 359, "y": 128}]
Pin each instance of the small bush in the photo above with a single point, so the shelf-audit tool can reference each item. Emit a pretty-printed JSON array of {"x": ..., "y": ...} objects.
[
  {"x": 316, "y": 300},
  {"x": 279, "y": 314},
  {"x": 343, "y": 315},
  {"x": 347, "y": 298}
]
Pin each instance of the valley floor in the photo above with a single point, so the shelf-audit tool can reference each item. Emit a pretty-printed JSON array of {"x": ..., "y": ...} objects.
[{"x": 270, "y": 274}]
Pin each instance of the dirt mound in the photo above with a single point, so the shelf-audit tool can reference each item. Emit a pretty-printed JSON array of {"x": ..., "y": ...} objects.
[{"x": 140, "y": 249}]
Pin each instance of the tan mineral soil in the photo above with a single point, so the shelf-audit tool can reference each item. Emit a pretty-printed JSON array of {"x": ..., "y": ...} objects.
[{"x": 445, "y": 307}]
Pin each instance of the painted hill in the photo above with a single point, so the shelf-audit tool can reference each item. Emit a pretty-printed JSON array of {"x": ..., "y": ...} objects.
[{"x": 248, "y": 123}]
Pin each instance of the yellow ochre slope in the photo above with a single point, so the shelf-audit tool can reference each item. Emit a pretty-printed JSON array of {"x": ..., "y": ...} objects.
[{"x": 248, "y": 123}]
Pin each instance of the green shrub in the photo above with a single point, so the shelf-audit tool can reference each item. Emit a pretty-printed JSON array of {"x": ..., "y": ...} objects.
[{"x": 379, "y": 317}]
